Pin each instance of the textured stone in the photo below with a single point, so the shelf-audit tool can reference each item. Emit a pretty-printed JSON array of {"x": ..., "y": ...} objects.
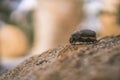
[{"x": 98, "y": 61}]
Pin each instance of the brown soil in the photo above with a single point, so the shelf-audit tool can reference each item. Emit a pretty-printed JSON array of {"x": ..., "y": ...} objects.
[{"x": 98, "y": 61}]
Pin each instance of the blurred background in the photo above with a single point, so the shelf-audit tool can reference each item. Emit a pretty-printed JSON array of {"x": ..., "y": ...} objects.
[{"x": 29, "y": 27}]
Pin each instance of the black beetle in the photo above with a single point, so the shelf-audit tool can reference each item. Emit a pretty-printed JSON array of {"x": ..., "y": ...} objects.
[{"x": 83, "y": 36}]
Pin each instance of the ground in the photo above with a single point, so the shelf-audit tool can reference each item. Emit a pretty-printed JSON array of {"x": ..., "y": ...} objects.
[{"x": 98, "y": 61}]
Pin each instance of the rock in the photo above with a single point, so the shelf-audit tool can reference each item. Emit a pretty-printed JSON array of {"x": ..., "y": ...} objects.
[
  {"x": 98, "y": 61},
  {"x": 13, "y": 42}
]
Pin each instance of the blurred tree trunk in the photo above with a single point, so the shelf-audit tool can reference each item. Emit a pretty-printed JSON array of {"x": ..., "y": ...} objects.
[
  {"x": 54, "y": 22},
  {"x": 119, "y": 13}
]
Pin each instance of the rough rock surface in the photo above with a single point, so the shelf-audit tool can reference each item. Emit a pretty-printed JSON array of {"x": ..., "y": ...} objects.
[{"x": 98, "y": 61}]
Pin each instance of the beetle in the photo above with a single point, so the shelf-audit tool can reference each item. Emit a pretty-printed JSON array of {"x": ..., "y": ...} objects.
[{"x": 83, "y": 36}]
